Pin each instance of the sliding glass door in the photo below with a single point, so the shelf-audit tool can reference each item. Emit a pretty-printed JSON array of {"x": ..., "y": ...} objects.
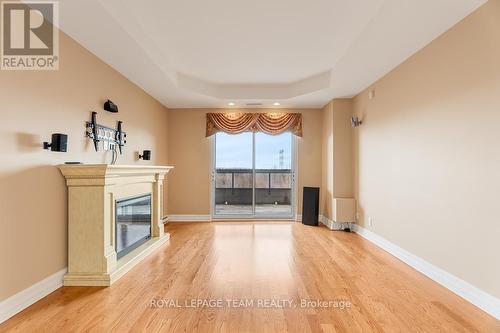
[
  {"x": 273, "y": 174},
  {"x": 253, "y": 176},
  {"x": 233, "y": 174}
]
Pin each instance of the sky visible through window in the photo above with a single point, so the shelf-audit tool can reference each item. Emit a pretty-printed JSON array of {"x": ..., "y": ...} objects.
[{"x": 271, "y": 151}]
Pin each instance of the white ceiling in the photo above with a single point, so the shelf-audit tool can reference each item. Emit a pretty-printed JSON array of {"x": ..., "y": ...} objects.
[{"x": 302, "y": 53}]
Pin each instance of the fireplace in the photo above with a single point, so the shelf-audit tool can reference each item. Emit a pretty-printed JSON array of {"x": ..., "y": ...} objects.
[
  {"x": 100, "y": 224},
  {"x": 133, "y": 223}
]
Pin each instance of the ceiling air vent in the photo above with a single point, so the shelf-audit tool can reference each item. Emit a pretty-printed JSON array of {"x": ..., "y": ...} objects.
[{"x": 254, "y": 104}]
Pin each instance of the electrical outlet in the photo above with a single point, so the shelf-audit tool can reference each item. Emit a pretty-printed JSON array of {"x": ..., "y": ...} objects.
[{"x": 370, "y": 221}]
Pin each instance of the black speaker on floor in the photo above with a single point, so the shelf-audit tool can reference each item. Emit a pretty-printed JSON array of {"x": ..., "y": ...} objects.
[{"x": 310, "y": 206}]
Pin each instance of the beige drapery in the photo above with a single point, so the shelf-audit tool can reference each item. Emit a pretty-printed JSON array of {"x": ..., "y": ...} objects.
[{"x": 270, "y": 123}]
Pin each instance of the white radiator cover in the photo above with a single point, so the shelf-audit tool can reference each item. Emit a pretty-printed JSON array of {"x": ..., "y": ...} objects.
[{"x": 344, "y": 210}]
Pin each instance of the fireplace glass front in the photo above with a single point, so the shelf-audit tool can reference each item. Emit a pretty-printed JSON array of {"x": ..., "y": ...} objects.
[{"x": 133, "y": 223}]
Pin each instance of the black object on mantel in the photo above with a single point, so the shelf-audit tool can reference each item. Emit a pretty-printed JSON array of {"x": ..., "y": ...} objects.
[{"x": 310, "y": 206}]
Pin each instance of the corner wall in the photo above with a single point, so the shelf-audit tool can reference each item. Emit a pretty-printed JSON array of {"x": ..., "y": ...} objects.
[
  {"x": 427, "y": 156},
  {"x": 336, "y": 154},
  {"x": 35, "y": 104}
]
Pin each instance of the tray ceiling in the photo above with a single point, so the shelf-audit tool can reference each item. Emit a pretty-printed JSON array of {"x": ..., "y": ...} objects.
[{"x": 300, "y": 53}]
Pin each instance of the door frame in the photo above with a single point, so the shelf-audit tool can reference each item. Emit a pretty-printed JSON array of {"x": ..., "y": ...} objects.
[{"x": 253, "y": 216}]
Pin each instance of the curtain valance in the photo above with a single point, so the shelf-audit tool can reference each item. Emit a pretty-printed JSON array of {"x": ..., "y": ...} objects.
[{"x": 270, "y": 123}]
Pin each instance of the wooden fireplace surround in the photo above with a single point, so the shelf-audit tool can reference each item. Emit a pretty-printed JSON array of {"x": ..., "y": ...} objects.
[{"x": 92, "y": 192}]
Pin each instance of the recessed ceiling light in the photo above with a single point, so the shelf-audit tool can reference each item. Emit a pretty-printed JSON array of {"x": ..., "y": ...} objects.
[
  {"x": 231, "y": 104},
  {"x": 276, "y": 104}
]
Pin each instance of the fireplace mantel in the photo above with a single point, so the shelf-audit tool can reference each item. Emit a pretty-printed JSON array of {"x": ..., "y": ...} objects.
[{"x": 93, "y": 190}]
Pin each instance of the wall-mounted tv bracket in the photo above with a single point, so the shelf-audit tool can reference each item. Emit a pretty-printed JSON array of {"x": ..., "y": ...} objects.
[
  {"x": 120, "y": 136},
  {"x": 110, "y": 137}
]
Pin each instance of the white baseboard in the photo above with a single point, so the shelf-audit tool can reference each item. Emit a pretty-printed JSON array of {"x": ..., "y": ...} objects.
[
  {"x": 474, "y": 295},
  {"x": 332, "y": 225},
  {"x": 208, "y": 218},
  {"x": 28, "y": 296},
  {"x": 189, "y": 218},
  {"x": 298, "y": 217}
]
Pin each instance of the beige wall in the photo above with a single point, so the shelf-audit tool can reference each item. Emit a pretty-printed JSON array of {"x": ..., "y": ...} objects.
[
  {"x": 33, "y": 105},
  {"x": 342, "y": 146},
  {"x": 190, "y": 154},
  {"x": 428, "y": 152},
  {"x": 337, "y": 154}
]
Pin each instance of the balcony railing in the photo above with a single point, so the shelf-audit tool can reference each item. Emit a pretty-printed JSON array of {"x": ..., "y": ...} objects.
[{"x": 235, "y": 186}]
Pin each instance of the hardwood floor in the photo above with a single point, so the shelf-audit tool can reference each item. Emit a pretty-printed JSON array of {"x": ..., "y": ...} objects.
[{"x": 259, "y": 262}]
